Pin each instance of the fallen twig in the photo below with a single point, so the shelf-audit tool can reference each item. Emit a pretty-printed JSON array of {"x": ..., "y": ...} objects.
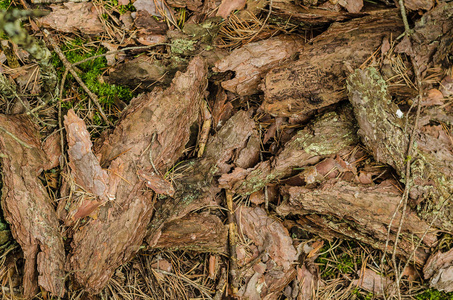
[
  {"x": 232, "y": 239},
  {"x": 70, "y": 67}
]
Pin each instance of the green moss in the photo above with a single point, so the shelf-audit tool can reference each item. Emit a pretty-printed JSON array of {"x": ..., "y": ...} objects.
[
  {"x": 433, "y": 294},
  {"x": 5, "y": 4},
  {"x": 91, "y": 72}
]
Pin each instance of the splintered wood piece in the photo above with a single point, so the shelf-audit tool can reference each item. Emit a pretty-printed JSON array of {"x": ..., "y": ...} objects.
[
  {"x": 195, "y": 232},
  {"x": 316, "y": 79},
  {"x": 28, "y": 208},
  {"x": 151, "y": 134},
  {"x": 251, "y": 62},
  {"x": 328, "y": 135}
]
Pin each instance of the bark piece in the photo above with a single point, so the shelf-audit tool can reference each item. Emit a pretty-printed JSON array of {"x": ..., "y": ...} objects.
[
  {"x": 326, "y": 136},
  {"x": 307, "y": 15},
  {"x": 28, "y": 208},
  {"x": 252, "y": 61},
  {"x": 367, "y": 210},
  {"x": 196, "y": 232},
  {"x": 316, "y": 80},
  {"x": 419, "y": 4},
  {"x": 439, "y": 269},
  {"x": 382, "y": 131},
  {"x": 227, "y": 6},
  {"x": 70, "y": 17},
  {"x": 372, "y": 282},
  {"x": 431, "y": 40},
  {"x": 196, "y": 188},
  {"x": 152, "y": 131},
  {"x": 352, "y": 6},
  {"x": 271, "y": 237}
]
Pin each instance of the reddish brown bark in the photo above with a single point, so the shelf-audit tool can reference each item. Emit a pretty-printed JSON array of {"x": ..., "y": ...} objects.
[
  {"x": 316, "y": 80},
  {"x": 27, "y": 206},
  {"x": 151, "y": 133}
]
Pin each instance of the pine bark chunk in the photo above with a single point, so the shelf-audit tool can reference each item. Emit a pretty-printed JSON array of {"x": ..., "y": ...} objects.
[
  {"x": 150, "y": 137},
  {"x": 251, "y": 62},
  {"x": 195, "y": 183},
  {"x": 383, "y": 132},
  {"x": 316, "y": 79},
  {"x": 195, "y": 232},
  {"x": 365, "y": 211},
  {"x": 328, "y": 135},
  {"x": 27, "y": 206}
]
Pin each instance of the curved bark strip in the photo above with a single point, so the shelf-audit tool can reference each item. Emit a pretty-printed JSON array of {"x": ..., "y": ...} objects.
[
  {"x": 152, "y": 133},
  {"x": 28, "y": 208}
]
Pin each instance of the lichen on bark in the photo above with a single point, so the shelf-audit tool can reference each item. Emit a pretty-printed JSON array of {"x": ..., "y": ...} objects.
[{"x": 385, "y": 135}]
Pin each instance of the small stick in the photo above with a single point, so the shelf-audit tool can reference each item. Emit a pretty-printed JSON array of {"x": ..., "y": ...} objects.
[
  {"x": 204, "y": 129},
  {"x": 69, "y": 66},
  {"x": 232, "y": 241},
  {"x": 220, "y": 287}
]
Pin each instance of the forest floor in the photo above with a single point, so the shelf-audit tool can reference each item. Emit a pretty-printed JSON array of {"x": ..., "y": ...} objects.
[{"x": 244, "y": 149}]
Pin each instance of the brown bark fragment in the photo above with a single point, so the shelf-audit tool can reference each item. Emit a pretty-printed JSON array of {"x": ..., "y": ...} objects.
[
  {"x": 368, "y": 208},
  {"x": 70, "y": 17},
  {"x": 383, "y": 133},
  {"x": 419, "y": 4},
  {"x": 196, "y": 232},
  {"x": 196, "y": 187},
  {"x": 252, "y": 61},
  {"x": 328, "y": 135},
  {"x": 439, "y": 269},
  {"x": 152, "y": 131},
  {"x": 316, "y": 80},
  {"x": 271, "y": 237},
  {"x": 307, "y": 15},
  {"x": 28, "y": 208}
]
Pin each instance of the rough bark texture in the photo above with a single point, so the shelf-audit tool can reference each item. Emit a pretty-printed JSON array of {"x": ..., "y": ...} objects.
[
  {"x": 307, "y": 15},
  {"x": 152, "y": 131},
  {"x": 359, "y": 211},
  {"x": 195, "y": 232},
  {"x": 327, "y": 135},
  {"x": 251, "y": 62},
  {"x": 384, "y": 134},
  {"x": 316, "y": 79},
  {"x": 196, "y": 187},
  {"x": 28, "y": 208}
]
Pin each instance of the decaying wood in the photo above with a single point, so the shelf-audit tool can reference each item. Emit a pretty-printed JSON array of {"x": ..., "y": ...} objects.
[
  {"x": 365, "y": 210},
  {"x": 195, "y": 232},
  {"x": 27, "y": 206},
  {"x": 149, "y": 137},
  {"x": 328, "y": 135},
  {"x": 195, "y": 186},
  {"x": 251, "y": 62},
  {"x": 317, "y": 79},
  {"x": 383, "y": 132}
]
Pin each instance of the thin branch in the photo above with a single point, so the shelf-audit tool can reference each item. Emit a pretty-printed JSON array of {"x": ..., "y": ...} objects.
[{"x": 70, "y": 67}]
